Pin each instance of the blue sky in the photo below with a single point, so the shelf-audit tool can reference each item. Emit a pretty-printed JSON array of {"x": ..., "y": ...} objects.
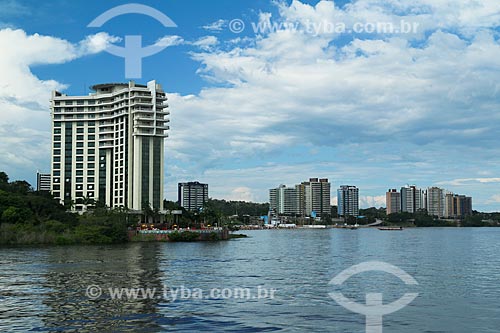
[{"x": 255, "y": 109}]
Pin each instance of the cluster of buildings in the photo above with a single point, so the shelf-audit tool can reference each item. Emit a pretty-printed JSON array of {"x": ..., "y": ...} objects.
[
  {"x": 434, "y": 200},
  {"x": 309, "y": 198},
  {"x": 108, "y": 146}
]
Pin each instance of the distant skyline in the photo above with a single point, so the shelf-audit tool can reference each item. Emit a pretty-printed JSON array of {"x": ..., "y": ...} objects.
[{"x": 252, "y": 110}]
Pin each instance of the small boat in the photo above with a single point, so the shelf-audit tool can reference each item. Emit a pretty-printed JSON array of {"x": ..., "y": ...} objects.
[{"x": 390, "y": 228}]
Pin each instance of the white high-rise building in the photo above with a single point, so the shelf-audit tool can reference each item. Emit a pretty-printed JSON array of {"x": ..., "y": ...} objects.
[{"x": 109, "y": 146}]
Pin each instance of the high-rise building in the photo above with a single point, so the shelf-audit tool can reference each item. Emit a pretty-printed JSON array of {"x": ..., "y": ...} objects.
[
  {"x": 348, "y": 201},
  {"x": 457, "y": 206},
  {"x": 316, "y": 197},
  {"x": 109, "y": 145},
  {"x": 42, "y": 181},
  {"x": 283, "y": 200},
  {"x": 393, "y": 201},
  {"x": 192, "y": 195},
  {"x": 435, "y": 201},
  {"x": 411, "y": 199}
]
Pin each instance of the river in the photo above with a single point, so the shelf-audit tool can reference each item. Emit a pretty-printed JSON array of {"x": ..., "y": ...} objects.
[{"x": 286, "y": 272}]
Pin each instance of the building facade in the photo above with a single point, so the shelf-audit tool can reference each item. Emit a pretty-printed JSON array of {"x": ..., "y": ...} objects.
[
  {"x": 316, "y": 197},
  {"x": 43, "y": 181},
  {"x": 109, "y": 146},
  {"x": 283, "y": 200},
  {"x": 311, "y": 198},
  {"x": 411, "y": 199},
  {"x": 457, "y": 206},
  {"x": 436, "y": 201},
  {"x": 393, "y": 201},
  {"x": 348, "y": 201},
  {"x": 192, "y": 196}
]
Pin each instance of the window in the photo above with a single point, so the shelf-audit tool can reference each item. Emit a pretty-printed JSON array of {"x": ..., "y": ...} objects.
[
  {"x": 68, "y": 103},
  {"x": 79, "y": 165},
  {"x": 56, "y": 187},
  {"x": 79, "y": 179},
  {"x": 90, "y": 187},
  {"x": 57, "y": 158},
  {"x": 90, "y": 194},
  {"x": 91, "y": 123},
  {"x": 79, "y": 172},
  {"x": 57, "y": 173},
  {"x": 79, "y": 123},
  {"x": 57, "y": 116},
  {"x": 79, "y": 144},
  {"x": 79, "y": 158},
  {"x": 79, "y": 151},
  {"x": 57, "y": 151},
  {"x": 91, "y": 179},
  {"x": 91, "y": 151},
  {"x": 79, "y": 102},
  {"x": 79, "y": 137},
  {"x": 57, "y": 124},
  {"x": 91, "y": 158},
  {"x": 56, "y": 166},
  {"x": 79, "y": 194},
  {"x": 91, "y": 137},
  {"x": 57, "y": 145},
  {"x": 79, "y": 116},
  {"x": 56, "y": 180},
  {"x": 57, "y": 131},
  {"x": 57, "y": 138},
  {"x": 90, "y": 166},
  {"x": 79, "y": 130},
  {"x": 90, "y": 173},
  {"x": 91, "y": 130}
]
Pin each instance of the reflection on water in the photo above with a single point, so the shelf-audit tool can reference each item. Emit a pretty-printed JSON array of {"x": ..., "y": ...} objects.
[{"x": 458, "y": 271}]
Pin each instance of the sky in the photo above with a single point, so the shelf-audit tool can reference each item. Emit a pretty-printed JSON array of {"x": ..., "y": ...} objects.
[{"x": 263, "y": 93}]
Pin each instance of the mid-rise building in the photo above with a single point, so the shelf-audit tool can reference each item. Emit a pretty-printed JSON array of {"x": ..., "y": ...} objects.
[
  {"x": 42, "y": 181},
  {"x": 348, "y": 201},
  {"x": 109, "y": 146},
  {"x": 192, "y": 195},
  {"x": 393, "y": 201},
  {"x": 411, "y": 199}
]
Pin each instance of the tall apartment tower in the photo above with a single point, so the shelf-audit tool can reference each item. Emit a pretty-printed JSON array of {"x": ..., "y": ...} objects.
[
  {"x": 192, "y": 195},
  {"x": 283, "y": 200},
  {"x": 411, "y": 199},
  {"x": 316, "y": 197},
  {"x": 348, "y": 200},
  {"x": 109, "y": 145},
  {"x": 435, "y": 201},
  {"x": 393, "y": 201}
]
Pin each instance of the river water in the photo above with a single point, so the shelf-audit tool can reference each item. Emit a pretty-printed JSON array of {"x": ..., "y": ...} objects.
[{"x": 287, "y": 273}]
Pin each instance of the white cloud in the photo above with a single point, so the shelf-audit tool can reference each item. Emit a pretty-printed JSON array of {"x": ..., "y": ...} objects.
[
  {"x": 167, "y": 41},
  {"x": 206, "y": 43},
  {"x": 24, "y": 115},
  {"x": 216, "y": 26},
  {"x": 241, "y": 194},
  {"x": 96, "y": 43}
]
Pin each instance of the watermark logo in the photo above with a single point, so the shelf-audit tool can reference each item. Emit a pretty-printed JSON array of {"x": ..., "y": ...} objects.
[
  {"x": 133, "y": 52},
  {"x": 374, "y": 309},
  {"x": 169, "y": 293}
]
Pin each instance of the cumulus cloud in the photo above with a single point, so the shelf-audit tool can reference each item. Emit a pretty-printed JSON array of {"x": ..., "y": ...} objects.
[
  {"x": 414, "y": 101},
  {"x": 167, "y": 41},
  {"x": 24, "y": 116}
]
